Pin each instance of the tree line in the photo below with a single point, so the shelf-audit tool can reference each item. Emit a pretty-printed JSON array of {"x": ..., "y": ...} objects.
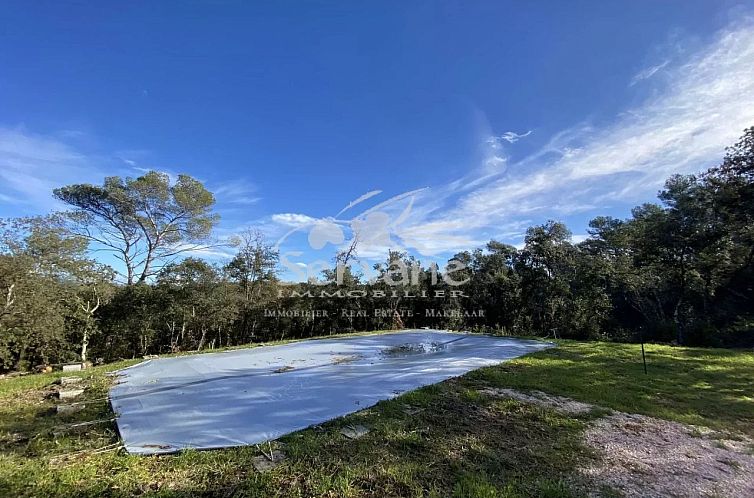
[{"x": 678, "y": 271}]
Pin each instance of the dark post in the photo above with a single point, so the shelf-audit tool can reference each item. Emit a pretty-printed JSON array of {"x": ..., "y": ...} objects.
[{"x": 643, "y": 358}]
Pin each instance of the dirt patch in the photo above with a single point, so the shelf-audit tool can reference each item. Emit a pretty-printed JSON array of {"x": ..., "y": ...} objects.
[
  {"x": 339, "y": 360},
  {"x": 565, "y": 405},
  {"x": 263, "y": 463},
  {"x": 648, "y": 457}
]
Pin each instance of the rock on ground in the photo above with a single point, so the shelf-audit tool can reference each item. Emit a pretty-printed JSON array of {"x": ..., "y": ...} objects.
[{"x": 263, "y": 463}]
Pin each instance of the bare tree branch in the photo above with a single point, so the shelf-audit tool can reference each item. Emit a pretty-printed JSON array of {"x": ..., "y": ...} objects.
[{"x": 9, "y": 300}]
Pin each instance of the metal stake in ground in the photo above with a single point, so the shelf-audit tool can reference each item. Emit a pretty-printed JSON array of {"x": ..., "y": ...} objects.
[{"x": 641, "y": 340}]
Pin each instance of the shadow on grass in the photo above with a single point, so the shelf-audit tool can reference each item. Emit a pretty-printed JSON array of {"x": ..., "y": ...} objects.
[{"x": 443, "y": 440}]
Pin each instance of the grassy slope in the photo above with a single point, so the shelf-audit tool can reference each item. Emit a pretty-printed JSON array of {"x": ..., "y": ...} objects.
[
  {"x": 458, "y": 442},
  {"x": 711, "y": 387}
]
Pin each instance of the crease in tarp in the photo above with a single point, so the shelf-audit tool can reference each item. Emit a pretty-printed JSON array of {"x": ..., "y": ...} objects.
[{"x": 236, "y": 397}]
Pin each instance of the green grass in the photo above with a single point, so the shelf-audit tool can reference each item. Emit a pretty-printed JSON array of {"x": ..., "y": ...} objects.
[
  {"x": 711, "y": 387},
  {"x": 443, "y": 440}
]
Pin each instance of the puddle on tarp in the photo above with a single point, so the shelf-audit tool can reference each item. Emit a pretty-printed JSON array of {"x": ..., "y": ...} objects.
[
  {"x": 248, "y": 396},
  {"x": 413, "y": 348}
]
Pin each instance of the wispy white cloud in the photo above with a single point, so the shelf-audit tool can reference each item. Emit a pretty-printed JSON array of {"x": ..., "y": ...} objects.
[
  {"x": 496, "y": 142},
  {"x": 358, "y": 201},
  {"x": 215, "y": 252},
  {"x": 512, "y": 137},
  {"x": 684, "y": 127},
  {"x": 10, "y": 200},
  {"x": 141, "y": 170},
  {"x": 700, "y": 107},
  {"x": 293, "y": 220},
  {"x": 32, "y": 165},
  {"x": 238, "y": 191},
  {"x": 648, "y": 72}
]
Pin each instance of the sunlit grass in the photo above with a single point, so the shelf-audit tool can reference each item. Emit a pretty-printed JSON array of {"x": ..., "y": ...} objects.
[
  {"x": 442, "y": 440},
  {"x": 711, "y": 387}
]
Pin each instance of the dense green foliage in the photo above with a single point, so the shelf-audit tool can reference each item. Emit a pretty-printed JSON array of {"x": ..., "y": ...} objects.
[{"x": 679, "y": 271}]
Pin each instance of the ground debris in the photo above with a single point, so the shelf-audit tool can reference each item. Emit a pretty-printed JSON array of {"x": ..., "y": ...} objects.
[
  {"x": 158, "y": 446},
  {"x": 80, "y": 427},
  {"x": 648, "y": 457},
  {"x": 268, "y": 461},
  {"x": 354, "y": 431},
  {"x": 70, "y": 381},
  {"x": 65, "y": 457},
  {"x": 413, "y": 348},
  {"x": 69, "y": 409},
  {"x": 565, "y": 405},
  {"x": 13, "y": 438},
  {"x": 338, "y": 360},
  {"x": 411, "y": 410},
  {"x": 70, "y": 393}
]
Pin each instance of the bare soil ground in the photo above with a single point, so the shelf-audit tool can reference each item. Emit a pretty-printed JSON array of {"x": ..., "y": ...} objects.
[{"x": 649, "y": 457}]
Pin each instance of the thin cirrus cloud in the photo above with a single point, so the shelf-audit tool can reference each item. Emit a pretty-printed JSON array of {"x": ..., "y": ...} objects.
[
  {"x": 513, "y": 137},
  {"x": 32, "y": 165},
  {"x": 702, "y": 105},
  {"x": 509, "y": 136},
  {"x": 706, "y": 102},
  {"x": 237, "y": 192},
  {"x": 648, "y": 72},
  {"x": 293, "y": 220}
]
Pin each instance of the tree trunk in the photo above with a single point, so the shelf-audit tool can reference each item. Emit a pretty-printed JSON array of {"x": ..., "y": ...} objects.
[
  {"x": 201, "y": 339},
  {"x": 84, "y": 344},
  {"x": 679, "y": 324}
]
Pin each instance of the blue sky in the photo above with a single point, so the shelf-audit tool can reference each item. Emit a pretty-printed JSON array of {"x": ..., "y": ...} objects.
[{"x": 496, "y": 115}]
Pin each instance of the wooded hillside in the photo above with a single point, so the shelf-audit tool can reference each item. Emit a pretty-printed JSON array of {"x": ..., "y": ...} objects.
[{"x": 677, "y": 271}]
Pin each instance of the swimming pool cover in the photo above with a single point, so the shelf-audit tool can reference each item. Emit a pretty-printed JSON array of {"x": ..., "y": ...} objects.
[{"x": 248, "y": 396}]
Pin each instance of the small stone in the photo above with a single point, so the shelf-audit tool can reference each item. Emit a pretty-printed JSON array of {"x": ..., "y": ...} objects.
[
  {"x": 68, "y": 409},
  {"x": 263, "y": 463},
  {"x": 354, "y": 431},
  {"x": 69, "y": 381},
  {"x": 412, "y": 410},
  {"x": 70, "y": 393},
  {"x": 73, "y": 367}
]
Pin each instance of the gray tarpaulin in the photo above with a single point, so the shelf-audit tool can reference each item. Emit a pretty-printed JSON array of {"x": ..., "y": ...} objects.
[{"x": 248, "y": 396}]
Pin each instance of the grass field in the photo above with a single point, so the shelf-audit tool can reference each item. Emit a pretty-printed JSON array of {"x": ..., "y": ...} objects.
[{"x": 443, "y": 440}]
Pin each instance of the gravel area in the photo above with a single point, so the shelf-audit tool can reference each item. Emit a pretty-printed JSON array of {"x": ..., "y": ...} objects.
[{"x": 647, "y": 457}]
